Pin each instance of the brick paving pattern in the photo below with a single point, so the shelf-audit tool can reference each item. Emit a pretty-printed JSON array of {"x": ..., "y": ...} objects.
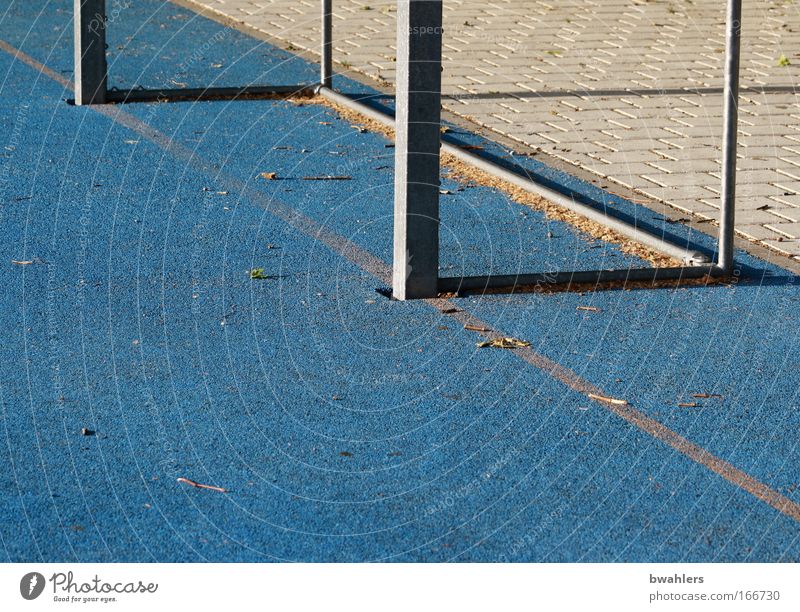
[{"x": 628, "y": 90}]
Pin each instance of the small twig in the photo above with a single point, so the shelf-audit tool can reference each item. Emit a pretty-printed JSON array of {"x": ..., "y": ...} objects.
[
  {"x": 476, "y": 328},
  {"x": 27, "y": 262},
  {"x": 687, "y": 404},
  {"x": 609, "y": 400},
  {"x": 202, "y": 486},
  {"x": 706, "y": 395},
  {"x": 589, "y": 308}
]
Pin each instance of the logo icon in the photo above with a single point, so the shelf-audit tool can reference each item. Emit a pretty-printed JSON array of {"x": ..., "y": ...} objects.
[{"x": 31, "y": 585}]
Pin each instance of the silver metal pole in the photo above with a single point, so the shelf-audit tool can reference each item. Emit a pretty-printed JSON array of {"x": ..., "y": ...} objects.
[
  {"x": 659, "y": 243},
  {"x": 728, "y": 201},
  {"x": 89, "y": 24},
  {"x": 326, "y": 76},
  {"x": 415, "y": 271}
]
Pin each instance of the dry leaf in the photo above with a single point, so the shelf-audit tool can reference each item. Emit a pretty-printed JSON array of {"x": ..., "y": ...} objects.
[
  {"x": 505, "y": 343},
  {"x": 269, "y": 176},
  {"x": 202, "y": 486},
  {"x": 609, "y": 400}
]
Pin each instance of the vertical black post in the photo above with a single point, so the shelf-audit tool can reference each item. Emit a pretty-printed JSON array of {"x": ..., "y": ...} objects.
[
  {"x": 416, "y": 188},
  {"x": 89, "y": 21}
]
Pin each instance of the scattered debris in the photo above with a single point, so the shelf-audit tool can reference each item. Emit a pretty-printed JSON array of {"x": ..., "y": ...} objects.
[
  {"x": 687, "y": 404},
  {"x": 327, "y": 178},
  {"x": 258, "y": 274},
  {"x": 25, "y": 262},
  {"x": 85, "y": 431},
  {"x": 361, "y": 129},
  {"x": 324, "y": 122},
  {"x": 588, "y": 308},
  {"x": 609, "y": 400},
  {"x": 336, "y": 398},
  {"x": 706, "y": 395},
  {"x": 450, "y": 311},
  {"x": 269, "y": 176},
  {"x": 505, "y": 343},
  {"x": 346, "y": 454},
  {"x": 476, "y": 328},
  {"x": 197, "y": 485}
]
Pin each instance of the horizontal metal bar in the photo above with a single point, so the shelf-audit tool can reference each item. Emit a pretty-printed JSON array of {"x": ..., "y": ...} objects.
[
  {"x": 682, "y": 254},
  {"x": 555, "y": 279},
  {"x": 206, "y": 93}
]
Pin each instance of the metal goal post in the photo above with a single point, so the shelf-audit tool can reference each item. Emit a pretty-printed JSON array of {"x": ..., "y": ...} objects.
[{"x": 415, "y": 269}]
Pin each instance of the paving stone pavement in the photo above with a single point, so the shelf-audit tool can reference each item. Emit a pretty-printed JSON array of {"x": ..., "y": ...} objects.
[{"x": 626, "y": 89}]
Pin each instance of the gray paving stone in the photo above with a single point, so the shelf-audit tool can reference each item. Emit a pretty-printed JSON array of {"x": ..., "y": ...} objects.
[{"x": 632, "y": 83}]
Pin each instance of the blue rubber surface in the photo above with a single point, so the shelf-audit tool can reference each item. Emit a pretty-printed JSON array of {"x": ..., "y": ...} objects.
[{"x": 345, "y": 426}]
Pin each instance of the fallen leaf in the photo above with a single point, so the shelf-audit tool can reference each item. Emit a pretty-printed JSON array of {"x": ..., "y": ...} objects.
[
  {"x": 783, "y": 61},
  {"x": 202, "y": 486},
  {"x": 505, "y": 343},
  {"x": 609, "y": 400},
  {"x": 258, "y": 274},
  {"x": 269, "y": 176}
]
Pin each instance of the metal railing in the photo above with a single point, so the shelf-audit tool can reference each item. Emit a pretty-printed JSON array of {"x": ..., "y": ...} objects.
[{"x": 418, "y": 145}]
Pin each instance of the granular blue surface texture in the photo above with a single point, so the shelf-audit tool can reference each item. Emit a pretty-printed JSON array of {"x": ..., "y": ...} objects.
[{"x": 344, "y": 426}]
